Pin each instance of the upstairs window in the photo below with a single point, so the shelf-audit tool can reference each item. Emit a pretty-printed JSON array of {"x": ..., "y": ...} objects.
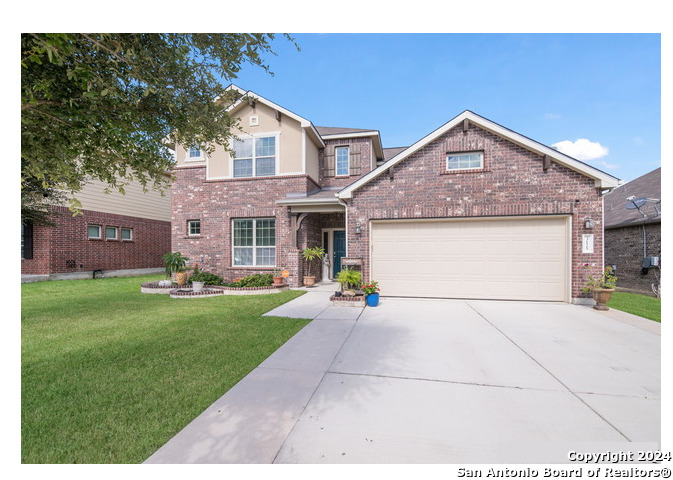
[
  {"x": 465, "y": 161},
  {"x": 127, "y": 234},
  {"x": 255, "y": 157},
  {"x": 195, "y": 152},
  {"x": 342, "y": 161}
]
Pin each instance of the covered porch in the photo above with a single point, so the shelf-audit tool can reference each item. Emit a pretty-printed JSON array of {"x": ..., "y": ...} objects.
[{"x": 318, "y": 219}]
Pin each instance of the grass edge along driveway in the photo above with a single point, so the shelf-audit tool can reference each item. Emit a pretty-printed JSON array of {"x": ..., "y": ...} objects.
[{"x": 109, "y": 374}]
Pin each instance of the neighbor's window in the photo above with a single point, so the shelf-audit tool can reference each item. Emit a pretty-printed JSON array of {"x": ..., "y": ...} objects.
[
  {"x": 110, "y": 233},
  {"x": 254, "y": 242},
  {"x": 255, "y": 157},
  {"x": 93, "y": 231},
  {"x": 342, "y": 163},
  {"x": 127, "y": 234},
  {"x": 193, "y": 227},
  {"x": 465, "y": 161}
]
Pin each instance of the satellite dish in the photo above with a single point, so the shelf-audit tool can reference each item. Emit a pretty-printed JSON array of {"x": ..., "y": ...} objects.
[{"x": 635, "y": 203}]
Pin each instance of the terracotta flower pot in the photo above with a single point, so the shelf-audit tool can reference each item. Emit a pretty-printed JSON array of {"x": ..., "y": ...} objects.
[
  {"x": 309, "y": 281},
  {"x": 277, "y": 280},
  {"x": 181, "y": 278},
  {"x": 602, "y": 296}
]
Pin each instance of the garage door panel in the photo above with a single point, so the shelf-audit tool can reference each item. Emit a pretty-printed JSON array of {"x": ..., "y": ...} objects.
[{"x": 495, "y": 258}]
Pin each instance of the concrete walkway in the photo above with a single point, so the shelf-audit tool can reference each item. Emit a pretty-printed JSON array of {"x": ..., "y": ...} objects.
[{"x": 438, "y": 381}]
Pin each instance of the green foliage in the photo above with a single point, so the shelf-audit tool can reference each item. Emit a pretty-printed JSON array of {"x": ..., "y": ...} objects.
[
  {"x": 349, "y": 278},
  {"x": 310, "y": 254},
  {"x": 207, "y": 278},
  {"x": 256, "y": 280},
  {"x": 607, "y": 280},
  {"x": 174, "y": 262},
  {"x": 370, "y": 288},
  {"x": 109, "y": 106}
]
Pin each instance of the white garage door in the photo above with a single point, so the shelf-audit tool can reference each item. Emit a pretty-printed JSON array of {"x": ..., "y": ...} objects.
[{"x": 521, "y": 258}]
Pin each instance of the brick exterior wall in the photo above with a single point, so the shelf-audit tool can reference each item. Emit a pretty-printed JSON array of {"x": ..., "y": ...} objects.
[
  {"x": 512, "y": 183},
  {"x": 360, "y": 161},
  {"x": 217, "y": 202},
  {"x": 624, "y": 248},
  {"x": 66, "y": 248}
]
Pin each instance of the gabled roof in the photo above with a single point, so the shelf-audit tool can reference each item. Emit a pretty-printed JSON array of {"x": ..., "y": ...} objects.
[
  {"x": 249, "y": 94},
  {"x": 602, "y": 179},
  {"x": 332, "y": 133},
  {"x": 648, "y": 186}
]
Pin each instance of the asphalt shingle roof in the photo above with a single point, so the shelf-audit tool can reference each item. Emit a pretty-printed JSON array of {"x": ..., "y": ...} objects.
[{"x": 648, "y": 186}]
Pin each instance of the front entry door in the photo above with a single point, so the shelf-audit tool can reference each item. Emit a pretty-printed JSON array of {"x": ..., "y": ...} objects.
[{"x": 338, "y": 250}]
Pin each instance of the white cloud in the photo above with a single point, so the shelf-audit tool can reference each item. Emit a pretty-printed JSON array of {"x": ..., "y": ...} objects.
[
  {"x": 552, "y": 116},
  {"x": 582, "y": 149}
]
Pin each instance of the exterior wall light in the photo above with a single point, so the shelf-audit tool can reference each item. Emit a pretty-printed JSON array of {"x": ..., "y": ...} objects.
[
  {"x": 589, "y": 223},
  {"x": 358, "y": 230}
]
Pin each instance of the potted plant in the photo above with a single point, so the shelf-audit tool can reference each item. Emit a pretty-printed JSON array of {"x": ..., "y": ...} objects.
[
  {"x": 198, "y": 282},
  {"x": 349, "y": 278},
  {"x": 601, "y": 287},
  {"x": 277, "y": 276},
  {"x": 372, "y": 291},
  {"x": 175, "y": 263},
  {"x": 310, "y": 255}
]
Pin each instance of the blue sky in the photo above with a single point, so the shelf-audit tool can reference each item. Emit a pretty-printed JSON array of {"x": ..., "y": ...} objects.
[{"x": 597, "y": 96}]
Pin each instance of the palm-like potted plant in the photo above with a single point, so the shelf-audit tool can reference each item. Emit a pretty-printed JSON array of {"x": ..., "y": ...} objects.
[
  {"x": 601, "y": 287},
  {"x": 310, "y": 255},
  {"x": 277, "y": 276},
  {"x": 176, "y": 263},
  {"x": 349, "y": 278}
]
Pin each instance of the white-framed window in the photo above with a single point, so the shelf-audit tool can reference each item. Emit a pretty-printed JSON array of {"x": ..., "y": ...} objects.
[
  {"x": 194, "y": 153},
  {"x": 193, "y": 227},
  {"x": 465, "y": 161},
  {"x": 342, "y": 155},
  {"x": 110, "y": 233},
  {"x": 254, "y": 242},
  {"x": 93, "y": 232},
  {"x": 255, "y": 156},
  {"x": 127, "y": 234}
]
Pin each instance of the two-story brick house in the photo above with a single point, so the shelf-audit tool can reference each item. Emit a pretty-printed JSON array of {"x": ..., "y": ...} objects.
[{"x": 472, "y": 210}]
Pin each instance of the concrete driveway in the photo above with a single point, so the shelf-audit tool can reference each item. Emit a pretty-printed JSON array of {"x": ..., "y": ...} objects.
[{"x": 439, "y": 381}]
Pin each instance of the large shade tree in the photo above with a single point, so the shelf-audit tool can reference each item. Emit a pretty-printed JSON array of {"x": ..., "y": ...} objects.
[{"x": 109, "y": 106}]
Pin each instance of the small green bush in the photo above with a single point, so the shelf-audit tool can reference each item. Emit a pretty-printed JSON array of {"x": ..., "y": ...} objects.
[
  {"x": 207, "y": 277},
  {"x": 256, "y": 280}
]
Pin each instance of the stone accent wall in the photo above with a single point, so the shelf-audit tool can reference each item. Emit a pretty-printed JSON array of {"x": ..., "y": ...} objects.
[
  {"x": 66, "y": 247},
  {"x": 511, "y": 183},
  {"x": 624, "y": 249}
]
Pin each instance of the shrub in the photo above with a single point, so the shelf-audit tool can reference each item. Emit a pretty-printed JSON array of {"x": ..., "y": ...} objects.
[
  {"x": 256, "y": 280},
  {"x": 207, "y": 277}
]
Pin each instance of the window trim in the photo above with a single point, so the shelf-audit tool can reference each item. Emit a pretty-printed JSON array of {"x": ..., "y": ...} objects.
[
  {"x": 100, "y": 232},
  {"x": 254, "y": 137},
  {"x": 116, "y": 237},
  {"x": 121, "y": 234},
  {"x": 189, "y": 227},
  {"x": 482, "y": 164},
  {"x": 348, "y": 161},
  {"x": 254, "y": 246},
  {"x": 189, "y": 158}
]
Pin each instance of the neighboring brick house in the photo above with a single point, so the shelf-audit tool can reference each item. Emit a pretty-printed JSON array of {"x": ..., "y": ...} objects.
[
  {"x": 118, "y": 234},
  {"x": 473, "y": 210},
  {"x": 633, "y": 235}
]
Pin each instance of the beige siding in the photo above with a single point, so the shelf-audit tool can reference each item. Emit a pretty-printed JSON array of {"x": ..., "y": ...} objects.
[
  {"x": 134, "y": 202},
  {"x": 312, "y": 162}
]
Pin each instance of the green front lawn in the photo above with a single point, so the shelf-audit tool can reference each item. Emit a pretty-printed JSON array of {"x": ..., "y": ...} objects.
[
  {"x": 109, "y": 374},
  {"x": 641, "y": 305}
]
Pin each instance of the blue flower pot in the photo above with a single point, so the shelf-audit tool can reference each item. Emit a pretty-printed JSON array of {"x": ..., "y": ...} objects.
[{"x": 372, "y": 299}]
